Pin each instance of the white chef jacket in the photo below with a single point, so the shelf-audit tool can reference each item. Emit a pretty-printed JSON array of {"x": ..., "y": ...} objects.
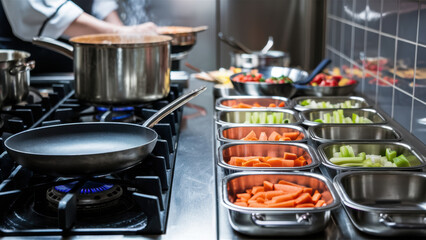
[{"x": 27, "y": 16}]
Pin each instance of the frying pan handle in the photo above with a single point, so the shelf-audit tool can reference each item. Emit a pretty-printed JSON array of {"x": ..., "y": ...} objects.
[
  {"x": 55, "y": 45},
  {"x": 177, "y": 103},
  {"x": 323, "y": 64}
]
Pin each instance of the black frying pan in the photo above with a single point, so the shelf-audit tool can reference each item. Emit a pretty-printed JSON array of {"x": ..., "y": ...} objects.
[{"x": 81, "y": 149}]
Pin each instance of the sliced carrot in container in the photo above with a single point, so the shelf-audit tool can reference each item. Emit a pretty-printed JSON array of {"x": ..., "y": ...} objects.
[
  {"x": 291, "y": 135},
  {"x": 251, "y": 135},
  {"x": 274, "y": 136},
  {"x": 272, "y": 105},
  {"x": 262, "y": 164},
  {"x": 284, "y": 139},
  {"x": 258, "y": 195},
  {"x": 307, "y": 190},
  {"x": 270, "y": 194},
  {"x": 320, "y": 203},
  {"x": 268, "y": 186},
  {"x": 283, "y": 198},
  {"x": 257, "y": 189},
  {"x": 288, "y": 188},
  {"x": 256, "y": 104},
  {"x": 288, "y": 163},
  {"x": 250, "y": 163},
  {"x": 242, "y": 204},
  {"x": 243, "y": 195},
  {"x": 286, "y": 204},
  {"x": 282, "y": 104},
  {"x": 316, "y": 197},
  {"x": 240, "y": 161},
  {"x": 300, "y": 163},
  {"x": 289, "y": 183},
  {"x": 305, "y": 205},
  {"x": 303, "y": 198},
  {"x": 263, "y": 137},
  {"x": 290, "y": 156},
  {"x": 258, "y": 205},
  {"x": 275, "y": 162}
]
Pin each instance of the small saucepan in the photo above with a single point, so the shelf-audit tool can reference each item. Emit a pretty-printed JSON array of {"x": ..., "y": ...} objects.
[
  {"x": 14, "y": 76},
  {"x": 184, "y": 38},
  {"x": 88, "y": 149},
  {"x": 115, "y": 69}
]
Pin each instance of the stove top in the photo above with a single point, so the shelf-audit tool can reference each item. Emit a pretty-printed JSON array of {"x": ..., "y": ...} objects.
[{"x": 135, "y": 200}]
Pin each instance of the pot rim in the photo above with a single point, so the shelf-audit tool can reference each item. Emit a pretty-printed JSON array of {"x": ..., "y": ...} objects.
[
  {"x": 10, "y": 55},
  {"x": 104, "y": 40}
]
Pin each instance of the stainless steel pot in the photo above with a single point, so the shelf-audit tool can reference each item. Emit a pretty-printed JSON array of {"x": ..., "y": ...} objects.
[
  {"x": 112, "y": 69},
  {"x": 14, "y": 76},
  {"x": 259, "y": 59}
]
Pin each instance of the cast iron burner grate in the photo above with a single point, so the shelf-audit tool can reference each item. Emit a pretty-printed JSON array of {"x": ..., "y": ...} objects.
[{"x": 143, "y": 191}]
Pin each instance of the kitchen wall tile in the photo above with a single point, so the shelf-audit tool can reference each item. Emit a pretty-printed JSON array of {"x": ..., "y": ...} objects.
[
  {"x": 337, "y": 35},
  {"x": 339, "y": 8},
  {"x": 359, "y": 43},
  {"x": 405, "y": 65},
  {"x": 374, "y": 11},
  {"x": 360, "y": 12},
  {"x": 402, "y": 109},
  {"x": 348, "y": 8},
  {"x": 408, "y": 13},
  {"x": 422, "y": 29},
  {"x": 347, "y": 40},
  {"x": 420, "y": 87},
  {"x": 389, "y": 16},
  {"x": 387, "y": 54},
  {"x": 329, "y": 33},
  {"x": 419, "y": 121},
  {"x": 384, "y": 98}
]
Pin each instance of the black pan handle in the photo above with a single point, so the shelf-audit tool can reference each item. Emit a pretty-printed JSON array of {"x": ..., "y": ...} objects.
[
  {"x": 177, "y": 103},
  {"x": 323, "y": 64}
]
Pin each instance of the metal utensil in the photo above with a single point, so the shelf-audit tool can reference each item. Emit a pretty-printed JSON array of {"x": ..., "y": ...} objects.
[
  {"x": 82, "y": 149},
  {"x": 230, "y": 41},
  {"x": 268, "y": 45}
]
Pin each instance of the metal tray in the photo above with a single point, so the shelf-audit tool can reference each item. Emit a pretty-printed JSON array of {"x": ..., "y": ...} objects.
[
  {"x": 233, "y": 133},
  {"x": 332, "y": 99},
  {"x": 417, "y": 161},
  {"x": 384, "y": 203},
  {"x": 278, "y": 221},
  {"x": 350, "y": 133},
  {"x": 226, "y": 102},
  {"x": 310, "y": 115},
  {"x": 246, "y": 149},
  {"x": 238, "y": 116}
]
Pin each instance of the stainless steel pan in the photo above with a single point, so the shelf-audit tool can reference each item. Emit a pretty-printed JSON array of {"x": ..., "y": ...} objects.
[
  {"x": 113, "y": 69},
  {"x": 81, "y": 149}
]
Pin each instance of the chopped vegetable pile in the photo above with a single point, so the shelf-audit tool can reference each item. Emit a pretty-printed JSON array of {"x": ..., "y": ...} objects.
[
  {"x": 258, "y": 78},
  {"x": 347, "y": 158},
  {"x": 265, "y": 117},
  {"x": 283, "y": 194},
  {"x": 309, "y": 103},
  {"x": 274, "y": 136},
  {"x": 323, "y": 80},
  {"x": 255, "y": 105},
  {"x": 338, "y": 117},
  {"x": 289, "y": 160}
]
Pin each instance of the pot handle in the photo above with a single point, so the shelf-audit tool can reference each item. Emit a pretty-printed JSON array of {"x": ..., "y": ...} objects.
[
  {"x": 302, "y": 220},
  {"x": 23, "y": 67},
  {"x": 389, "y": 222},
  {"x": 54, "y": 45}
]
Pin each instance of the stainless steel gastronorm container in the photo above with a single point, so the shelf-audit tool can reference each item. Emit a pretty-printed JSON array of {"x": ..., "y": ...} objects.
[
  {"x": 387, "y": 204},
  {"x": 238, "y": 116},
  {"x": 310, "y": 115},
  {"x": 278, "y": 221},
  {"x": 351, "y": 133},
  {"x": 332, "y": 99},
  {"x": 233, "y": 133},
  {"x": 247, "y": 149},
  {"x": 226, "y": 102},
  {"x": 417, "y": 161}
]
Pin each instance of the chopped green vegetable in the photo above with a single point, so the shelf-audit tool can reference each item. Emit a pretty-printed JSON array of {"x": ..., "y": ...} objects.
[
  {"x": 390, "y": 155},
  {"x": 264, "y": 118},
  {"x": 401, "y": 162}
]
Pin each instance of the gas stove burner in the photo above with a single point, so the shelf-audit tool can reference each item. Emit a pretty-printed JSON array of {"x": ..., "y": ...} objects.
[
  {"x": 117, "y": 113},
  {"x": 91, "y": 195}
]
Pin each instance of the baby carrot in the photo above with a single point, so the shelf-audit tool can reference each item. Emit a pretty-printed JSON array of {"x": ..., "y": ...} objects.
[{"x": 304, "y": 198}]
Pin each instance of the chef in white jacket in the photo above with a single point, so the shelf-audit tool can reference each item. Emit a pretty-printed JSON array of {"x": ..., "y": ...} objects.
[{"x": 21, "y": 20}]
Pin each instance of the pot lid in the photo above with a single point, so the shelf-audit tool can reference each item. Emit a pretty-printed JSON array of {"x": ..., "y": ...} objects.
[{"x": 119, "y": 39}]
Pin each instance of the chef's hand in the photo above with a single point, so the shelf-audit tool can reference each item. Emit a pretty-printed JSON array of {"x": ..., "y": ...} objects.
[{"x": 147, "y": 28}]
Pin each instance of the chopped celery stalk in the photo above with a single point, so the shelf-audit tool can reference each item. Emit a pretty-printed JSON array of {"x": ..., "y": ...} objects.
[
  {"x": 323, "y": 105},
  {"x": 362, "y": 155},
  {"x": 262, "y": 117},
  {"x": 401, "y": 161},
  {"x": 279, "y": 117},
  {"x": 390, "y": 155},
  {"x": 327, "y": 118},
  {"x": 347, "y": 120},
  {"x": 344, "y": 151},
  {"x": 350, "y": 151},
  {"x": 336, "y": 117},
  {"x": 348, "y": 104},
  {"x": 270, "y": 119},
  {"x": 352, "y": 165},
  {"x": 342, "y": 160},
  {"x": 337, "y": 154},
  {"x": 341, "y": 116},
  {"x": 318, "y": 120},
  {"x": 255, "y": 117},
  {"x": 355, "y": 118},
  {"x": 247, "y": 119},
  {"x": 305, "y": 102}
]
